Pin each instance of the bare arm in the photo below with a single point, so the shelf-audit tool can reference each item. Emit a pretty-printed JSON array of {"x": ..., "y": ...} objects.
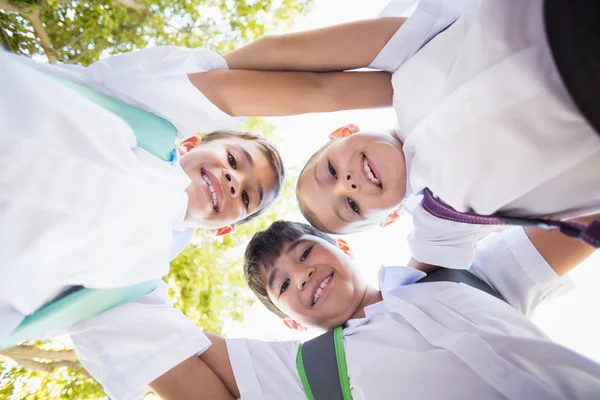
[
  {"x": 427, "y": 268},
  {"x": 208, "y": 377},
  {"x": 335, "y": 48},
  {"x": 561, "y": 252},
  {"x": 274, "y": 93}
]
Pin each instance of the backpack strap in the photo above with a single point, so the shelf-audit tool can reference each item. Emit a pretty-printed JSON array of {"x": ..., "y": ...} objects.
[
  {"x": 460, "y": 276},
  {"x": 75, "y": 306},
  {"x": 587, "y": 233},
  {"x": 574, "y": 38},
  {"x": 154, "y": 134},
  {"x": 321, "y": 363}
]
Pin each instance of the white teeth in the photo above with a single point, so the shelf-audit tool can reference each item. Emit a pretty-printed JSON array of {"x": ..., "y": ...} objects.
[
  {"x": 320, "y": 289},
  {"x": 211, "y": 190},
  {"x": 370, "y": 173}
]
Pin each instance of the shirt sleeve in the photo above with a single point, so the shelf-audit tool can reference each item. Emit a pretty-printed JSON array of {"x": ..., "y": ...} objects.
[
  {"x": 428, "y": 19},
  {"x": 265, "y": 370},
  {"x": 155, "y": 79},
  {"x": 510, "y": 263},
  {"x": 129, "y": 346},
  {"x": 441, "y": 242}
]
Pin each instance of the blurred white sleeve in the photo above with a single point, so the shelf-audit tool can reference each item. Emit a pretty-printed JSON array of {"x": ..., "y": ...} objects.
[{"x": 129, "y": 346}]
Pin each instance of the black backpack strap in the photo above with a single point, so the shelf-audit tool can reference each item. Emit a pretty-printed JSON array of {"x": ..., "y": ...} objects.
[
  {"x": 321, "y": 363},
  {"x": 573, "y": 34},
  {"x": 460, "y": 276}
]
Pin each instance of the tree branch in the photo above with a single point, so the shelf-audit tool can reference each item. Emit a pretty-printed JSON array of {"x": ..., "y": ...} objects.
[
  {"x": 29, "y": 352},
  {"x": 6, "y": 6},
  {"x": 131, "y": 4},
  {"x": 5, "y": 40},
  {"x": 40, "y": 31},
  {"x": 75, "y": 40}
]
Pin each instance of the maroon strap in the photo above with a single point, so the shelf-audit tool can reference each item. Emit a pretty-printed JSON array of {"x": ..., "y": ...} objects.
[{"x": 589, "y": 234}]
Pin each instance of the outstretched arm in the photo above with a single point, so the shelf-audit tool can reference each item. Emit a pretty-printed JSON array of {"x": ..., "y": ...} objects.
[
  {"x": 205, "y": 377},
  {"x": 561, "y": 252},
  {"x": 275, "y": 93},
  {"x": 336, "y": 48}
]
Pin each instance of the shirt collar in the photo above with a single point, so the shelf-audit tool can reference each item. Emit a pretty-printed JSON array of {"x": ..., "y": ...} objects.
[{"x": 390, "y": 277}]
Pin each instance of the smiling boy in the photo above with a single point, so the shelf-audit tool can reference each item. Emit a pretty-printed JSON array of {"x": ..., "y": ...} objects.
[{"x": 432, "y": 340}]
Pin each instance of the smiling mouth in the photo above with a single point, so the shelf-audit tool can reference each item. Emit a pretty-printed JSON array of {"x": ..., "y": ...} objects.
[
  {"x": 211, "y": 189},
  {"x": 322, "y": 286},
  {"x": 371, "y": 176}
]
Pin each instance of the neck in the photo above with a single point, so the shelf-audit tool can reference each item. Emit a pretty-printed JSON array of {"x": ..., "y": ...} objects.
[{"x": 372, "y": 296}]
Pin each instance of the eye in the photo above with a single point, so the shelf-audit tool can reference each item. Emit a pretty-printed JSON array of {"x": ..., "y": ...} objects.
[
  {"x": 331, "y": 170},
  {"x": 305, "y": 254},
  {"x": 231, "y": 160},
  {"x": 245, "y": 198},
  {"x": 354, "y": 206},
  {"x": 284, "y": 286}
]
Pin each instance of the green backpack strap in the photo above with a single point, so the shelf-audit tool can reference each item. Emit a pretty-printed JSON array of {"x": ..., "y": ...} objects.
[
  {"x": 75, "y": 307},
  {"x": 321, "y": 363},
  {"x": 154, "y": 134}
]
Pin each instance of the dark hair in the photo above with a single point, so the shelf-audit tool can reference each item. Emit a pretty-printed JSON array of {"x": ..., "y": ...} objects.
[
  {"x": 270, "y": 152},
  {"x": 265, "y": 247}
]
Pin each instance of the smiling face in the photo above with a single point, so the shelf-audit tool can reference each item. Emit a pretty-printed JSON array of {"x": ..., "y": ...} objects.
[
  {"x": 354, "y": 182},
  {"x": 314, "y": 283},
  {"x": 231, "y": 179}
]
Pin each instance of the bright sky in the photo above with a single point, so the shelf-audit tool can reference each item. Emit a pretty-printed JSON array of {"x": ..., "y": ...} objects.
[{"x": 570, "y": 320}]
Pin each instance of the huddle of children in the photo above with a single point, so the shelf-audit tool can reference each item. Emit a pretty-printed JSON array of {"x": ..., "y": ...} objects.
[{"x": 484, "y": 122}]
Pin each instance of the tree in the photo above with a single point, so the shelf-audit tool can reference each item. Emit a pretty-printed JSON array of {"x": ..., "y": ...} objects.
[
  {"x": 81, "y": 31},
  {"x": 205, "y": 280}
]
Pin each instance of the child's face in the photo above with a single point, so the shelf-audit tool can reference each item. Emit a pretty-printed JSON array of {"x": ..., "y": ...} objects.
[
  {"x": 354, "y": 182},
  {"x": 231, "y": 178},
  {"x": 314, "y": 283}
]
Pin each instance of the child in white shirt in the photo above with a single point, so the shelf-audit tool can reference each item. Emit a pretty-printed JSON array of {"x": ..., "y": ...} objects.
[
  {"x": 82, "y": 204},
  {"x": 484, "y": 121},
  {"x": 470, "y": 344}
]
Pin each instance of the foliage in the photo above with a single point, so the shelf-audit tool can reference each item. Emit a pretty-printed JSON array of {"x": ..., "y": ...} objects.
[{"x": 81, "y": 31}]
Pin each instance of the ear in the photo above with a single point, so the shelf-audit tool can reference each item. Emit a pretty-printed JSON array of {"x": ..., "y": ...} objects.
[
  {"x": 296, "y": 326},
  {"x": 344, "y": 246},
  {"x": 392, "y": 217},
  {"x": 344, "y": 131},
  {"x": 188, "y": 144},
  {"x": 226, "y": 230}
]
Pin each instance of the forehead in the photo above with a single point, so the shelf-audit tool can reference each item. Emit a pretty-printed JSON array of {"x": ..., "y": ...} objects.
[
  {"x": 259, "y": 167},
  {"x": 288, "y": 253},
  {"x": 318, "y": 201}
]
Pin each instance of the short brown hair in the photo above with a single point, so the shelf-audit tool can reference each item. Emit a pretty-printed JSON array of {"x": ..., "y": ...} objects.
[
  {"x": 265, "y": 247},
  {"x": 268, "y": 149}
]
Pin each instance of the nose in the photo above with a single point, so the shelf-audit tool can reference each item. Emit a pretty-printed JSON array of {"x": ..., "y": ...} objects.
[
  {"x": 348, "y": 184},
  {"x": 232, "y": 183},
  {"x": 303, "y": 276}
]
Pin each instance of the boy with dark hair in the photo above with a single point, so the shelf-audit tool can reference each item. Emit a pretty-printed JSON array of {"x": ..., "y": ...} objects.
[{"x": 474, "y": 345}]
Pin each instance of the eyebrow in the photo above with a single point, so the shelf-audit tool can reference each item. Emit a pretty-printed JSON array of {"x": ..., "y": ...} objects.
[
  {"x": 295, "y": 244},
  {"x": 261, "y": 194},
  {"x": 246, "y": 154},
  {"x": 272, "y": 279},
  {"x": 316, "y": 175}
]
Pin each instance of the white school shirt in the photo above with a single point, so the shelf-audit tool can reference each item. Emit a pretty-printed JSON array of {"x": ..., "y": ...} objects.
[
  {"x": 441, "y": 340},
  {"x": 486, "y": 122},
  {"x": 80, "y": 204},
  {"x": 128, "y": 347}
]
